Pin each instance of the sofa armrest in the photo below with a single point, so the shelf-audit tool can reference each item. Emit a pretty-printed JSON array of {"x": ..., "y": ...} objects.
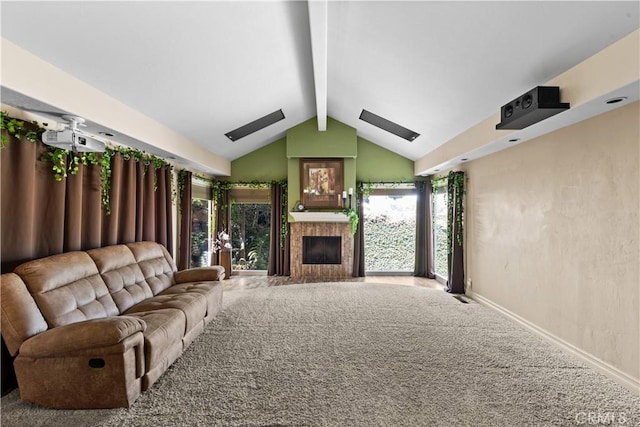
[
  {"x": 87, "y": 335},
  {"x": 200, "y": 274},
  {"x": 20, "y": 317}
]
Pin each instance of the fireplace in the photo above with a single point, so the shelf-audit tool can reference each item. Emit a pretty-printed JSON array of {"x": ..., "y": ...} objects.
[
  {"x": 329, "y": 244},
  {"x": 321, "y": 250}
]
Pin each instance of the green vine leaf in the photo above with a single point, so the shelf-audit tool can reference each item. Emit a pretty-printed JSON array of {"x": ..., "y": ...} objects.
[
  {"x": 58, "y": 159},
  {"x": 182, "y": 183},
  {"x": 65, "y": 163},
  {"x": 284, "y": 228},
  {"x": 105, "y": 174},
  {"x": 89, "y": 159},
  {"x": 455, "y": 190},
  {"x": 353, "y": 218},
  {"x": 18, "y": 130}
]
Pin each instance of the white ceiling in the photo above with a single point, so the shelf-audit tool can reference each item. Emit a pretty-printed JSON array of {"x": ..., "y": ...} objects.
[{"x": 206, "y": 68}]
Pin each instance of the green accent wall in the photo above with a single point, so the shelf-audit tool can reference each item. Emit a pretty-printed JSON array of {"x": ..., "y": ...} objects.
[
  {"x": 266, "y": 164},
  {"x": 377, "y": 164},
  {"x": 293, "y": 183},
  {"x": 363, "y": 160},
  {"x": 305, "y": 140}
]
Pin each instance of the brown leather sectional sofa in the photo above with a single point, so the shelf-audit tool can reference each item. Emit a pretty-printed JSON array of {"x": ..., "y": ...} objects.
[{"x": 93, "y": 329}]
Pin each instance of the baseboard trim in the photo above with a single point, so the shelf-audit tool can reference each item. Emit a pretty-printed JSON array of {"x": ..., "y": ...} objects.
[{"x": 625, "y": 380}]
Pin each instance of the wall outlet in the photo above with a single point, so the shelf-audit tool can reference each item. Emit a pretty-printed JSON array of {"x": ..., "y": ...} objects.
[{"x": 469, "y": 283}]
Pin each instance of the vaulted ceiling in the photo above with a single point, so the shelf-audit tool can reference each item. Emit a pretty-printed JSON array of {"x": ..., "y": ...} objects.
[{"x": 203, "y": 69}]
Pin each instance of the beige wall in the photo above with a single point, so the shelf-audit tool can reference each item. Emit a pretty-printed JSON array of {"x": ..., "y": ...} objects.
[{"x": 553, "y": 234}]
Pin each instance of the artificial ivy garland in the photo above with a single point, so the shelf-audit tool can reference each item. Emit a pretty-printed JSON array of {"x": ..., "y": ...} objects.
[
  {"x": 65, "y": 162},
  {"x": 455, "y": 184},
  {"x": 182, "y": 182},
  {"x": 353, "y": 218},
  {"x": 16, "y": 128},
  {"x": 105, "y": 175},
  {"x": 365, "y": 188}
]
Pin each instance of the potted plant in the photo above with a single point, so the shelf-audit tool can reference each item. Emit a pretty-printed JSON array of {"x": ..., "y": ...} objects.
[{"x": 222, "y": 244}]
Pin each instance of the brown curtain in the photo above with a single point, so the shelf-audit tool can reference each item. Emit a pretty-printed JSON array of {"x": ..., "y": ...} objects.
[
  {"x": 222, "y": 217},
  {"x": 184, "y": 251},
  {"x": 358, "y": 238},
  {"x": 455, "y": 280},
  {"x": 163, "y": 209},
  {"x": 278, "y": 255},
  {"x": 141, "y": 207},
  {"x": 41, "y": 216},
  {"x": 32, "y": 205},
  {"x": 424, "y": 264}
]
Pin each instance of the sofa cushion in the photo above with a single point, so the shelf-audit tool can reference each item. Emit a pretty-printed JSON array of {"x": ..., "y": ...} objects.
[
  {"x": 122, "y": 275},
  {"x": 67, "y": 288},
  {"x": 156, "y": 264},
  {"x": 212, "y": 291},
  {"x": 200, "y": 274},
  {"x": 193, "y": 305},
  {"x": 164, "y": 328}
]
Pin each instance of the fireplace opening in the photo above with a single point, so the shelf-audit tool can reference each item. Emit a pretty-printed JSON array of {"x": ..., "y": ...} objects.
[{"x": 321, "y": 249}]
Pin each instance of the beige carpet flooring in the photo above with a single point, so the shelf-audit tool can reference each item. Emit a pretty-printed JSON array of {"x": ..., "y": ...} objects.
[{"x": 361, "y": 354}]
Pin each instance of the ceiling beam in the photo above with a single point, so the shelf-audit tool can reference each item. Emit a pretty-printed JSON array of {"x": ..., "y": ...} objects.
[{"x": 318, "y": 27}]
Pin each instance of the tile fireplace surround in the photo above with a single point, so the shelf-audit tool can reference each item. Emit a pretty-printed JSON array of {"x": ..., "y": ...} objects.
[{"x": 321, "y": 224}]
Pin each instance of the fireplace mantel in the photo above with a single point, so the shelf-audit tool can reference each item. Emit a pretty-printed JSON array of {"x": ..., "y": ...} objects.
[{"x": 319, "y": 217}]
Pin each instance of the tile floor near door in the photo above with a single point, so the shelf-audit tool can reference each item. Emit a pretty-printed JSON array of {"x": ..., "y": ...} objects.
[{"x": 243, "y": 281}]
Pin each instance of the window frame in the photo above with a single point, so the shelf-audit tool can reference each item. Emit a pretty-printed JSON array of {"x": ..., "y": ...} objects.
[
  {"x": 441, "y": 185},
  {"x": 391, "y": 189}
]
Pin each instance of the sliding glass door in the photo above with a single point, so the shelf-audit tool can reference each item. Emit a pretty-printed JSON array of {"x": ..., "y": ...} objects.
[
  {"x": 390, "y": 230},
  {"x": 440, "y": 229},
  {"x": 250, "y": 231},
  {"x": 250, "y": 228},
  {"x": 200, "y": 232}
]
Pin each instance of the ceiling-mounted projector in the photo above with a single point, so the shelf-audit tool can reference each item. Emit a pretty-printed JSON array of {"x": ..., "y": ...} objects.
[
  {"x": 72, "y": 138},
  {"x": 534, "y": 106},
  {"x": 74, "y": 141}
]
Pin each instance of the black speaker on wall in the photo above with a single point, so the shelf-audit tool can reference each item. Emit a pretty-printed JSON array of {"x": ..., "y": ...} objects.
[{"x": 534, "y": 106}]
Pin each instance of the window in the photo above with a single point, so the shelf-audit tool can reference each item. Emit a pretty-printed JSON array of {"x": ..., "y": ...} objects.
[
  {"x": 390, "y": 230},
  {"x": 200, "y": 232},
  {"x": 440, "y": 228},
  {"x": 250, "y": 228}
]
